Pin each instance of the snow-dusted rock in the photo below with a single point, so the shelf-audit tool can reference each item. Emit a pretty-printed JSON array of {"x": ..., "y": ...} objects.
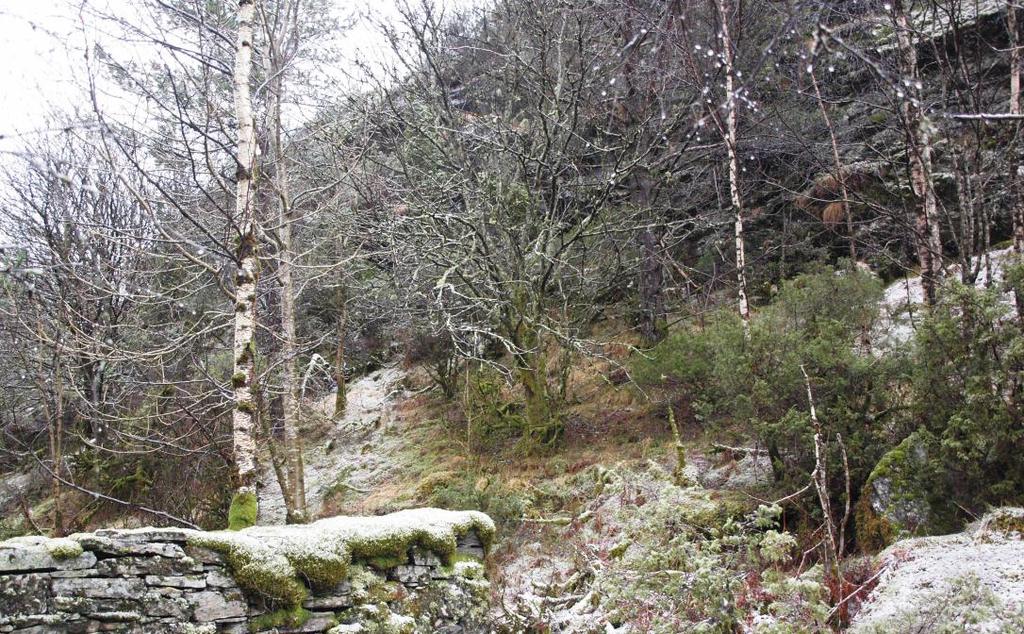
[{"x": 968, "y": 582}]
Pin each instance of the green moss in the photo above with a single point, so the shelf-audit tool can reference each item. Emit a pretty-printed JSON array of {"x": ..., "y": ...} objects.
[
  {"x": 618, "y": 550},
  {"x": 387, "y": 562},
  {"x": 874, "y": 532},
  {"x": 238, "y": 379},
  {"x": 244, "y": 507},
  {"x": 292, "y": 617},
  {"x": 62, "y": 549},
  {"x": 911, "y": 485},
  {"x": 879, "y": 117}
]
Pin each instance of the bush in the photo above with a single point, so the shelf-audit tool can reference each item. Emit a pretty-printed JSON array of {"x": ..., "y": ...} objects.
[
  {"x": 494, "y": 418},
  {"x": 969, "y": 355},
  {"x": 959, "y": 382},
  {"x": 819, "y": 321},
  {"x": 469, "y": 492}
]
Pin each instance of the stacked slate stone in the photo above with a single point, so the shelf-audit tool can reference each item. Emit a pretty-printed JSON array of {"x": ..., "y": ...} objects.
[{"x": 155, "y": 581}]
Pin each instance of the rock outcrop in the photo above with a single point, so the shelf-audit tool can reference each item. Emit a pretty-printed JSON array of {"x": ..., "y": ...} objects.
[
  {"x": 409, "y": 572},
  {"x": 967, "y": 582},
  {"x": 904, "y": 495}
]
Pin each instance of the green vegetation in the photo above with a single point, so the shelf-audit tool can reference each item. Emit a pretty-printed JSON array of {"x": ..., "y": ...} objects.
[
  {"x": 967, "y": 363},
  {"x": 243, "y": 511},
  {"x": 292, "y": 617},
  {"x": 469, "y": 491},
  {"x": 956, "y": 381},
  {"x": 740, "y": 385}
]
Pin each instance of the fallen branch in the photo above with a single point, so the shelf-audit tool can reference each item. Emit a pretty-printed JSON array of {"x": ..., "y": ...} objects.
[
  {"x": 753, "y": 450},
  {"x": 856, "y": 592}
]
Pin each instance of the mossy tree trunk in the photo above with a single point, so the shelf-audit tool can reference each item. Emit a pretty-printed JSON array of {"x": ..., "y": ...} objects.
[{"x": 530, "y": 364}]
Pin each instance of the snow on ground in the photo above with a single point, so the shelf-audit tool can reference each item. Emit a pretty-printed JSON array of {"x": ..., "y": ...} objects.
[
  {"x": 968, "y": 582},
  {"x": 903, "y": 299},
  {"x": 341, "y": 455}
]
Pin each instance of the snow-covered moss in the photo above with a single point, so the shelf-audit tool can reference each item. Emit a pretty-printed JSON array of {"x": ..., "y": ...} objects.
[
  {"x": 1007, "y": 520},
  {"x": 279, "y": 561},
  {"x": 965, "y": 582}
]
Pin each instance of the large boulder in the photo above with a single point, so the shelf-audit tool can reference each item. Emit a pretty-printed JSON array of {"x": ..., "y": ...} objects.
[{"x": 904, "y": 495}]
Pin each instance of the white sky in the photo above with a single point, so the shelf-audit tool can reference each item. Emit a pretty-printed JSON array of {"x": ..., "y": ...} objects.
[
  {"x": 42, "y": 53},
  {"x": 34, "y": 61}
]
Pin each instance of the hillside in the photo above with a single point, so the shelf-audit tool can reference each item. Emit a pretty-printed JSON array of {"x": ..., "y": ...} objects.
[{"x": 714, "y": 308}]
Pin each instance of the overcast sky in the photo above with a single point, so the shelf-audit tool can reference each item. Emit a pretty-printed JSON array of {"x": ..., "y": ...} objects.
[{"x": 41, "y": 56}]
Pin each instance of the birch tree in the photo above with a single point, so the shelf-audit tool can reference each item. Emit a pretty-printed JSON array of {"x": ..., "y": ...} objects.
[
  {"x": 244, "y": 505},
  {"x": 1014, "y": 165},
  {"x": 919, "y": 130},
  {"x": 730, "y": 134}
]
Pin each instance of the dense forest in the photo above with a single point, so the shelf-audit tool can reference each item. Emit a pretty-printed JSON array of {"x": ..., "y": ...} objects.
[{"x": 704, "y": 302}]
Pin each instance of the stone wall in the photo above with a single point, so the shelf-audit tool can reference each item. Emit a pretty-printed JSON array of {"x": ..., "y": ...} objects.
[{"x": 154, "y": 581}]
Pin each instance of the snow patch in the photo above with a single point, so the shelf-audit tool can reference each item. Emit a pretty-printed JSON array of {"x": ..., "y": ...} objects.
[{"x": 367, "y": 417}]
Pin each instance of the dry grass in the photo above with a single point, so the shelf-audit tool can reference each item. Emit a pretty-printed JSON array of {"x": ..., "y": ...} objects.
[{"x": 607, "y": 422}]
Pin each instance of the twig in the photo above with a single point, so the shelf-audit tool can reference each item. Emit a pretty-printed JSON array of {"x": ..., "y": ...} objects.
[
  {"x": 855, "y": 592},
  {"x": 28, "y": 514}
]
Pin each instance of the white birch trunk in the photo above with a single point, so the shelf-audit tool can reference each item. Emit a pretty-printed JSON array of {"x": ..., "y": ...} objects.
[
  {"x": 1017, "y": 195},
  {"x": 732, "y": 135},
  {"x": 244, "y": 414}
]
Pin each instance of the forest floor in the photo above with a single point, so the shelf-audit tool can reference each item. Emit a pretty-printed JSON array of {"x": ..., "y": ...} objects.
[{"x": 400, "y": 446}]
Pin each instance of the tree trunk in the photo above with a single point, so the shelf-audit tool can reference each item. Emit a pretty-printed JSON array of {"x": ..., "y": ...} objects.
[
  {"x": 533, "y": 377},
  {"x": 919, "y": 154},
  {"x": 531, "y": 368},
  {"x": 244, "y": 506},
  {"x": 652, "y": 282},
  {"x": 341, "y": 396},
  {"x": 731, "y": 138},
  {"x": 1016, "y": 189},
  {"x": 297, "y": 511}
]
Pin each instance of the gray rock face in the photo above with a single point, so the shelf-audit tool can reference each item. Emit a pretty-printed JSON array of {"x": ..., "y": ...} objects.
[
  {"x": 965, "y": 582},
  {"x": 26, "y": 554},
  {"x": 153, "y": 581}
]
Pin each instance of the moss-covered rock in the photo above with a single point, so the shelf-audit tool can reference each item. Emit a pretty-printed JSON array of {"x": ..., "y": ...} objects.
[
  {"x": 292, "y": 617},
  {"x": 63, "y": 548},
  {"x": 905, "y": 494}
]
